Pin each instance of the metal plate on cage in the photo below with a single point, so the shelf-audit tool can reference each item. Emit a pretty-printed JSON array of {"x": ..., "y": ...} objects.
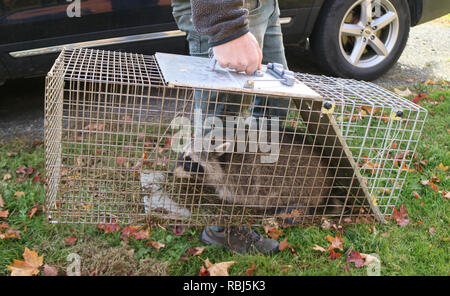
[{"x": 189, "y": 71}]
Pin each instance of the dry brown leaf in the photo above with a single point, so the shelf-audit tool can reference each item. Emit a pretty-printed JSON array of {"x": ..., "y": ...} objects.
[
  {"x": 50, "y": 270},
  {"x": 195, "y": 251},
  {"x": 2, "y": 202},
  {"x": 283, "y": 245},
  {"x": 274, "y": 232},
  {"x": 403, "y": 93},
  {"x": 7, "y": 176},
  {"x": 336, "y": 242},
  {"x": 71, "y": 240},
  {"x": 368, "y": 259},
  {"x": 10, "y": 233},
  {"x": 441, "y": 167},
  {"x": 218, "y": 269},
  {"x": 19, "y": 194},
  {"x": 447, "y": 195},
  {"x": 28, "y": 267},
  {"x": 326, "y": 224},
  {"x": 156, "y": 245},
  {"x": 4, "y": 214},
  {"x": 319, "y": 248},
  {"x": 33, "y": 211},
  {"x": 250, "y": 270},
  {"x": 3, "y": 225}
]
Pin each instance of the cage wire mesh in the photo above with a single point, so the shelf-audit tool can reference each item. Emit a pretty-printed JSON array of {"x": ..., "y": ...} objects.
[{"x": 111, "y": 122}]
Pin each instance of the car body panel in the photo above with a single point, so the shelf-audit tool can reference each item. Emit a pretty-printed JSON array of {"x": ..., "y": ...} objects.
[
  {"x": 27, "y": 25},
  {"x": 432, "y": 9}
]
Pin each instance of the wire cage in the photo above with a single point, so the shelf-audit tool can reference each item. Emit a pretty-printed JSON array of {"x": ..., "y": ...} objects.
[{"x": 120, "y": 146}]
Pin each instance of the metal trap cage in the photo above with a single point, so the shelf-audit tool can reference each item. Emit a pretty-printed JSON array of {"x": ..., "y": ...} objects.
[{"x": 126, "y": 142}]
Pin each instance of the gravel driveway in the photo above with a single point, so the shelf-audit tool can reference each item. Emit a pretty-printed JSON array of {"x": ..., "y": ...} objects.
[{"x": 426, "y": 56}]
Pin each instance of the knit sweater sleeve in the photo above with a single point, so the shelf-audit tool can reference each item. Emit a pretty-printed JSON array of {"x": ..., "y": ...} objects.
[{"x": 220, "y": 20}]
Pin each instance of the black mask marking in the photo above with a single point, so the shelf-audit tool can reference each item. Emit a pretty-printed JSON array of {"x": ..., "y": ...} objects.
[{"x": 190, "y": 166}]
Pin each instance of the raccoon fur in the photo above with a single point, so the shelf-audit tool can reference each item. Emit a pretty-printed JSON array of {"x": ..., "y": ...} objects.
[{"x": 299, "y": 179}]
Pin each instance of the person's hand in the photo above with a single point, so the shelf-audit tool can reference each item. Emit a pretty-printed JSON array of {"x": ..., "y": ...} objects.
[{"x": 242, "y": 54}]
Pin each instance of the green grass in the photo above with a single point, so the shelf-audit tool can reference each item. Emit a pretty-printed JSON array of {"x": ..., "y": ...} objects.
[{"x": 410, "y": 250}]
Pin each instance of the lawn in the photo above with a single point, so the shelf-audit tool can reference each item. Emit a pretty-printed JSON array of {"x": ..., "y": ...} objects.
[{"x": 419, "y": 248}]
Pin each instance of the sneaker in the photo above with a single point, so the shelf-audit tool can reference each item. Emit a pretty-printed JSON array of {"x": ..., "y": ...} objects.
[{"x": 240, "y": 239}]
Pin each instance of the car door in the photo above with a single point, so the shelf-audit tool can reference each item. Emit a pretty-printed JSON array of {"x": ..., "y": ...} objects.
[{"x": 32, "y": 31}]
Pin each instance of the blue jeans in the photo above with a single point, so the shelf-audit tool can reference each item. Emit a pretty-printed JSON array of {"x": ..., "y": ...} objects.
[{"x": 264, "y": 24}]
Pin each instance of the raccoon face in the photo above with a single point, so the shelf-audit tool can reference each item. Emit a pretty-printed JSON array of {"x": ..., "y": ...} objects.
[{"x": 196, "y": 164}]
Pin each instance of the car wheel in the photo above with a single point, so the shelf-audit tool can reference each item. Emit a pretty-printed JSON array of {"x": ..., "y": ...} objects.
[{"x": 360, "y": 39}]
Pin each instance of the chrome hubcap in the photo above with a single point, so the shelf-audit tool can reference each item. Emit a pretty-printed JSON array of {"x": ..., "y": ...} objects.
[{"x": 369, "y": 32}]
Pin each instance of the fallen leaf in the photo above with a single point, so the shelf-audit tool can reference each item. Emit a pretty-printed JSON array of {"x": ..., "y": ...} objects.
[
  {"x": 403, "y": 93},
  {"x": 441, "y": 167},
  {"x": 156, "y": 245},
  {"x": 7, "y": 176},
  {"x": 2, "y": 202},
  {"x": 3, "y": 225},
  {"x": 10, "y": 233},
  {"x": 28, "y": 267},
  {"x": 326, "y": 224},
  {"x": 19, "y": 194},
  {"x": 218, "y": 269},
  {"x": 319, "y": 248},
  {"x": 334, "y": 255},
  {"x": 400, "y": 216},
  {"x": 94, "y": 127},
  {"x": 432, "y": 230},
  {"x": 178, "y": 230},
  {"x": 431, "y": 184},
  {"x": 368, "y": 259},
  {"x": 415, "y": 194},
  {"x": 11, "y": 154},
  {"x": 71, "y": 240},
  {"x": 274, "y": 232},
  {"x": 250, "y": 270},
  {"x": 4, "y": 214},
  {"x": 447, "y": 195},
  {"x": 356, "y": 258},
  {"x": 33, "y": 211},
  {"x": 50, "y": 270},
  {"x": 195, "y": 251},
  {"x": 285, "y": 268},
  {"x": 336, "y": 242},
  {"x": 107, "y": 228},
  {"x": 129, "y": 231},
  {"x": 141, "y": 234},
  {"x": 204, "y": 271},
  {"x": 348, "y": 220},
  {"x": 283, "y": 245}
]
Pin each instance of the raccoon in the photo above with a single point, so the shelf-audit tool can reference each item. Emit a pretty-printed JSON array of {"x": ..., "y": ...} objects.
[{"x": 298, "y": 179}]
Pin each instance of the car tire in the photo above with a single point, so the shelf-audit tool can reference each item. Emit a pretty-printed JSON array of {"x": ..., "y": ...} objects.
[{"x": 347, "y": 42}]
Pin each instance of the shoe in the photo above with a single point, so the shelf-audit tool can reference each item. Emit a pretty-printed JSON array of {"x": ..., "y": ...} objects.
[{"x": 240, "y": 239}]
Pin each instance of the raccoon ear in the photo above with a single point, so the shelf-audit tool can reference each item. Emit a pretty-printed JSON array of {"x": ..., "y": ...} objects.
[{"x": 222, "y": 148}]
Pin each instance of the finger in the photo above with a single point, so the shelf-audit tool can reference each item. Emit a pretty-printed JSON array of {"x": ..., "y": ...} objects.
[
  {"x": 240, "y": 67},
  {"x": 224, "y": 64},
  {"x": 251, "y": 67}
]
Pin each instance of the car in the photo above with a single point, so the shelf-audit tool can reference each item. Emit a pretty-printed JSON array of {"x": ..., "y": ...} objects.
[{"x": 358, "y": 39}]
